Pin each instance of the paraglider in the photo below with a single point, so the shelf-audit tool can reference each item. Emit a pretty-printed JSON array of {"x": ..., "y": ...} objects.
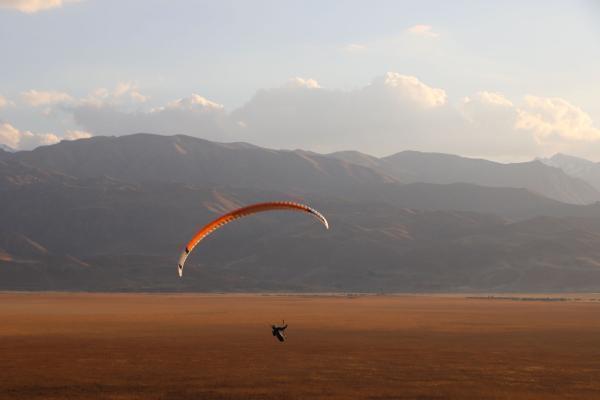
[
  {"x": 277, "y": 331},
  {"x": 243, "y": 212}
]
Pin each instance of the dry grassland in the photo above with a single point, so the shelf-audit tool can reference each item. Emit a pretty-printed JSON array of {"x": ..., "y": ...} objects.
[{"x": 138, "y": 346}]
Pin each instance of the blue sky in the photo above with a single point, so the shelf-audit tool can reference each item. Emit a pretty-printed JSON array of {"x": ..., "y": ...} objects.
[{"x": 227, "y": 51}]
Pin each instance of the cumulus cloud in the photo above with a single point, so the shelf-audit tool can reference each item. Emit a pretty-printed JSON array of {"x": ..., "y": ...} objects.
[
  {"x": 193, "y": 115},
  {"x": 405, "y": 87},
  {"x": 195, "y": 103},
  {"x": 370, "y": 118},
  {"x": 24, "y": 140},
  {"x": 122, "y": 93},
  {"x": 556, "y": 119},
  {"x": 394, "y": 112},
  {"x": 423, "y": 31},
  {"x": 27, "y": 140},
  {"x": 3, "y": 101},
  {"x": 488, "y": 107},
  {"x": 33, "y": 6},
  {"x": 76, "y": 134},
  {"x": 130, "y": 90},
  {"x": 488, "y": 128},
  {"x": 30, "y": 140},
  {"x": 355, "y": 48},
  {"x": 397, "y": 112},
  {"x": 42, "y": 98},
  {"x": 9, "y": 135},
  {"x": 302, "y": 83},
  {"x": 492, "y": 99}
]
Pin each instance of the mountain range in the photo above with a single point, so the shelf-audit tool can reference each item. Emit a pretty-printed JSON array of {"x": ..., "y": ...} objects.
[
  {"x": 535, "y": 176},
  {"x": 112, "y": 213},
  {"x": 577, "y": 167}
]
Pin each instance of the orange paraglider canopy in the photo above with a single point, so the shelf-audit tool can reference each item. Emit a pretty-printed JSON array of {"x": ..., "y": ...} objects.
[{"x": 242, "y": 212}]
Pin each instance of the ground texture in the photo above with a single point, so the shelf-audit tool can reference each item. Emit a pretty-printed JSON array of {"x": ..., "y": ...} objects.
[{"x": 133, "y": 346}]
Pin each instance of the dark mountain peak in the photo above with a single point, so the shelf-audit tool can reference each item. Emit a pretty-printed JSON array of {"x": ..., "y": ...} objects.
[
  {"x": 146, "y": 157},
  {"x": 421, "y": 155},
  {"x": 186, "y": 159},
  {"x": 357, "y": 158}
]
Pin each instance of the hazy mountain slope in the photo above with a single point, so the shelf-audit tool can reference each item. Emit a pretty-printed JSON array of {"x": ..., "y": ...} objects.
[
  {"x": 14, "y": 172},
  {"x": 4, "y": 155},
  {"x": 358, "y": 158},
  {"x": 413, "y": 166},
  {"x": 181, "y": 159},
  {"x": 142, "y": 157},
  {"x": 507, "y": 202},
  {"x": 578, "y": 167},
  {"x": 113, "y": 214},
  {"x": 138, "y": 158},
  {"x": 535, "y": 176},
  {"x": 106, "y": 235}
]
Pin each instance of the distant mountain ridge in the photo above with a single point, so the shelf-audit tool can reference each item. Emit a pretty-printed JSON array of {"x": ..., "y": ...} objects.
[
  {"x": 413, "y": 166},
  {"x": 144, "y": 157},
  {"x": 106, "y": 235},
  {"x": 183, "y": 159},
  {"x": 578, "y": 167},
  {"x": 111, "y": 213}
]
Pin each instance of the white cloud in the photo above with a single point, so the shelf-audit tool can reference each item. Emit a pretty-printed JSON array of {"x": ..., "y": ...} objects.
[
  {"x": 97, "y": 97},
  {"x": 130, "y": 90},
  {"x": 193, "y": 103},
  {"x": 492, "y": 98},
  {"x": 9, "y": 135},
  {"x": 4, "y": 102},
  {"x": 355, "y": 48},
  {"x": 489, "y": 128},
  {"x": 485, "y": 107},
  {"x": 24, "y": 140},
  {"x": 33, "y": 6},
  {"x": 411, "y": 88},
  {"x": 122, "y": 92},
  {"x": 137, "y": 97},
  {"x": 303, "y": 83},
  {"x": 423, "y": 30},
  {"x": 394, "y": 112},
  {"x": 122, "y": 88},
  {"x": 398, "y": 112},
  {"x": 193, "y": 115},
  {"x": 30, "y": 140},
  {"x": 394, "y": 109},
  {"x": 76, "y": 134},
  {"x": 556, "y": 119},
  {"x": 40, "y": 98},
  {"x": 27, "y": 140}
]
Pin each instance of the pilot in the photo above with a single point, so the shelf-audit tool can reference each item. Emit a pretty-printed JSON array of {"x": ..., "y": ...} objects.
[{"x": 278, "y": 331}]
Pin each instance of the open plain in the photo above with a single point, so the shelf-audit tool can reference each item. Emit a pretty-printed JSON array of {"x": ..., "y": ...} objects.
[{"x": 159, "y": 346}]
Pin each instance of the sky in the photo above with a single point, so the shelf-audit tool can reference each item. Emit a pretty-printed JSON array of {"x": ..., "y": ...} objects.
[{"x": 507, "y": 80}]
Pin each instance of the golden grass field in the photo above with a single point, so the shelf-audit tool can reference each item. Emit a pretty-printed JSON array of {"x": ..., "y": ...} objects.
[{"x": 146, "y": 346}]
